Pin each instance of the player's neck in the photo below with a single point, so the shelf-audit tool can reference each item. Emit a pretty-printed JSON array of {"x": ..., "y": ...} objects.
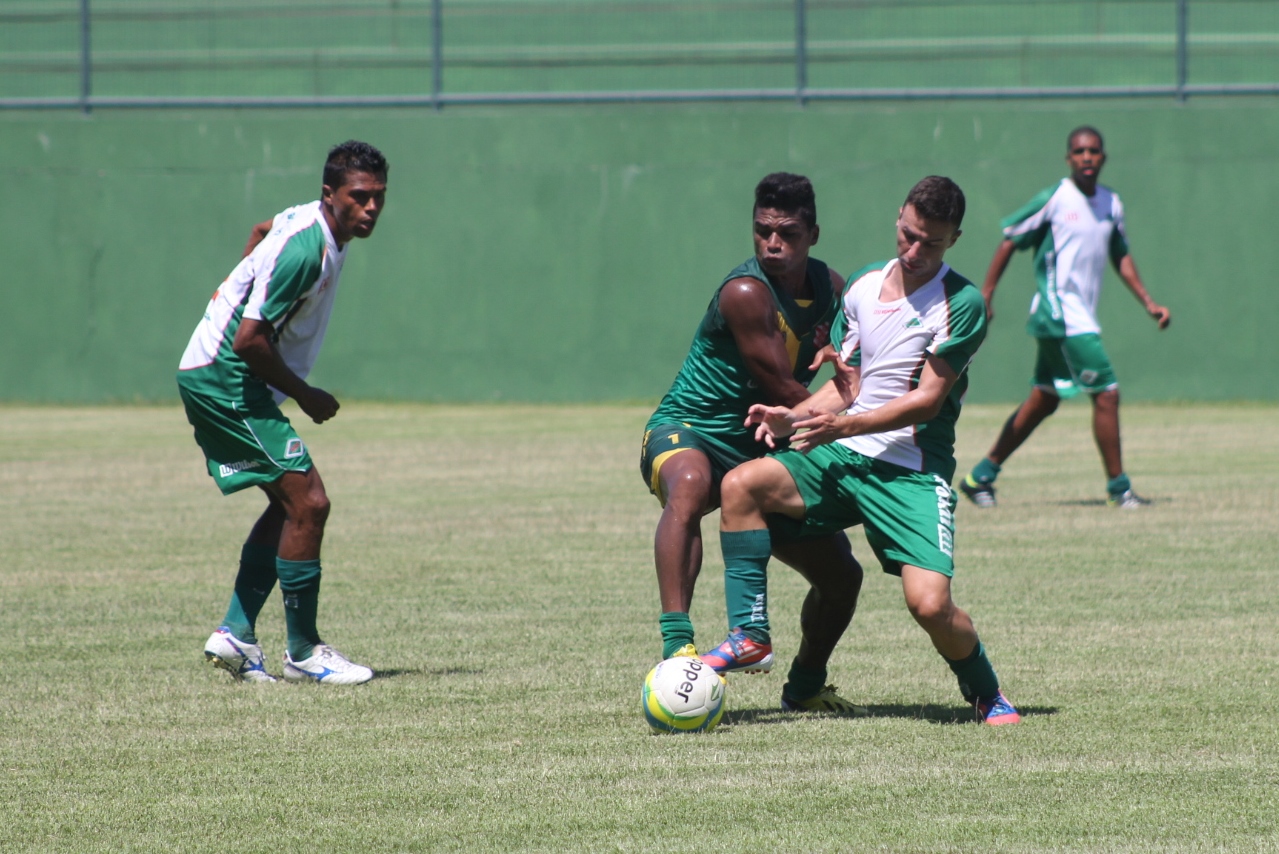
[
  {"x": 794, "y": 284},
  {"x": 1086, "y": 186},
  {"x": 340, "y": 239}
]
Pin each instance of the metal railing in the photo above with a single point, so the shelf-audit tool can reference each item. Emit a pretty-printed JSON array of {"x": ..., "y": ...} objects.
[{"x": 585, "y": 59}]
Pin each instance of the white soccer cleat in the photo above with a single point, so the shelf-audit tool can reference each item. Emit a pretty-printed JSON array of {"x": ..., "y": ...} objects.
[
  {"x": 244, "y": 661},
  {"x": 325, "y": 665}
]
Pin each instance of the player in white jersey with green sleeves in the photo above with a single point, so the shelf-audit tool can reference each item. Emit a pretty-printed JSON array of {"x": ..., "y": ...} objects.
[
  {"x": 1075, "y": 228},
  {"x": 255, "y": 346},
  {"x": 875, "y": 445}
]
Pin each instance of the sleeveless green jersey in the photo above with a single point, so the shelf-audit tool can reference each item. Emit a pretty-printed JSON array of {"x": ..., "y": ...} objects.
[{"x": 714, "y": 389}]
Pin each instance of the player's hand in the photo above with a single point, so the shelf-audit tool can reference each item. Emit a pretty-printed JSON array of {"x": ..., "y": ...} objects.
[
  {"x": 847, "y": 378},
  {"x": 1161, "y": 315},
  {"x": 818, "y": 430},
  {"x": 771, "y": 423},
  {"x": 318, "y": 404}
]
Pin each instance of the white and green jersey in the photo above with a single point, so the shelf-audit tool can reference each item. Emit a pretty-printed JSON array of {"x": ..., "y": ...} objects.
[
  {"x": 1073, "y": 236},
  {"x": 289, "y": 280},
  {"x": 891, "y": 341}
]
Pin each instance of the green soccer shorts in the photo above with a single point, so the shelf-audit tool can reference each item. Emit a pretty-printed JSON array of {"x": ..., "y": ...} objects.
[
  {"x": 1067, "y": 366},
  {"x": 909, "y": 516},
  {"x": 666, "y": 440},
  {"x": 245, "y": 444}
]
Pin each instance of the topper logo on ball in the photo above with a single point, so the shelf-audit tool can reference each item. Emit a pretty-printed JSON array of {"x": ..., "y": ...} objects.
[{"x": 692, "y": 671}]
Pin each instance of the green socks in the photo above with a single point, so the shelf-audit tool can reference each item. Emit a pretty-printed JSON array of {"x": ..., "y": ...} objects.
[
  {"x": 677, "y": 632},
  {"x": 300, "y": 584},
  {"x": 976, "y": 676},
  {"x": 803, "y": 682},
  {"x": 985, "y": 471},
  {"x": 1119, "y": 485},
  {"x": 253, "y": 585},
  {"x": 746, "y": 556}
]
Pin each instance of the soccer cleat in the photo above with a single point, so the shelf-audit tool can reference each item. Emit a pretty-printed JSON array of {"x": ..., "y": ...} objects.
[
  {"x": 739, "y": 654},
  {"x": 326, "y": 665},
  {"x": 981, "y": 494},
  {"x": 996, "y": 711},
  {"x": 685, "y": 651},
  {"x": 1127, "y": 500},
  {"x": 825, "y": 700},
  {"x": 242, "y": 660}
]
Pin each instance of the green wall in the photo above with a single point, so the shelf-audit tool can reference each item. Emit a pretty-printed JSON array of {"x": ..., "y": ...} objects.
[{"x": 566, "y": 253}]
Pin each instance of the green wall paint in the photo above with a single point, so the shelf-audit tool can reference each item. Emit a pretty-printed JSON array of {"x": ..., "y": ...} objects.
[{"x": 567, "y": 253}]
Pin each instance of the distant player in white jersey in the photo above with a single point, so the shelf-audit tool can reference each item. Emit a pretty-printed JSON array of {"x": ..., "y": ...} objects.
[
  {"x": 255, "y": 346},
  {"x": 1074, "y": 227},
  {"x": 875, "y": 445}
]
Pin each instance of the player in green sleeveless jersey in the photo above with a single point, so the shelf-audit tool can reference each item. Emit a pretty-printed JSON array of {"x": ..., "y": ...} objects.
[{"x": 756, "y": 343}]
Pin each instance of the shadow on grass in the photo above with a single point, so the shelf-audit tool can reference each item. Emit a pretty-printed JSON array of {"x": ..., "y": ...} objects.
[
  {"x": 931, "y": 713},
  {"x": 392, "y": 673},
  {"x": 1101, "y": 502}
]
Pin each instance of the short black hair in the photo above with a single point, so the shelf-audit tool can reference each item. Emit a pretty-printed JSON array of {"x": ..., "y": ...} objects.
[
  {"x": 939, "y": 199},
  {"x": 352, "y": 156},
  {"x": 1082, "y": 129},
  {"x": 785, "y": 191}
]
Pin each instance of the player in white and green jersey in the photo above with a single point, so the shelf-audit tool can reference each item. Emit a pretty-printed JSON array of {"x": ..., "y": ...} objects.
[
  {"x": 1074, "y": 228},
  {"x": 875, "y": 445},
  {"x": 255, "y": 346}
]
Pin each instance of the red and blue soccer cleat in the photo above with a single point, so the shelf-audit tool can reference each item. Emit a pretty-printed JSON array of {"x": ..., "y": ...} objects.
[
  {"x": 740, "y": 654},
  {"x": 997, "y": 711}
]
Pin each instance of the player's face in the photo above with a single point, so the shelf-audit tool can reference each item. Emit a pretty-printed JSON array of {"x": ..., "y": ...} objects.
[
  {"x": 921, "y": 243},
  {"x": 782, "y": 241},
  {"x": 1085, "y": 157},
  {"x": 356, "y": 205}
]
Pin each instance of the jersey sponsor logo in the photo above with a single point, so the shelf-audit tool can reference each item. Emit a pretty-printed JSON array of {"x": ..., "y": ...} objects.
[
  {"x": 945, "y": 518},
  {"x": 1072, "y": 216},
  {"x": 294, "y": 449},
  {"x": 888, "y": 310},
  {"x": 228, "y": 469},
  {"x": 913, "y": 322}
]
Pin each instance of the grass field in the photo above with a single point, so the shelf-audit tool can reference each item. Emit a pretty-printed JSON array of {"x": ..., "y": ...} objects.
[{"x": 494, "y": 565}]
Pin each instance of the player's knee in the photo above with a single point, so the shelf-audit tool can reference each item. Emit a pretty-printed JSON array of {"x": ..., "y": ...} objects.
[
  {"x": 930, "y": 609},
  {"x": 687, "y": 490},
  {"x": 314, "y": 508}
]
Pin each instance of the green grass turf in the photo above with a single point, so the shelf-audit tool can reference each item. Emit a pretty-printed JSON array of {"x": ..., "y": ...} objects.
[{"x": 494, "y": 565}]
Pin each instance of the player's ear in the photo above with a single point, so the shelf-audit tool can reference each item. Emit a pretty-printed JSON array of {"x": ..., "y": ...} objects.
[
  {"x": 954, "y": 237},
  {"x": 326, "y": 193},
  {"x": 817, "y": 232}
]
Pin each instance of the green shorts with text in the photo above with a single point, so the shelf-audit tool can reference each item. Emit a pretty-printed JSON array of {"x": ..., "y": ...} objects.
[
  {"x": 1067, "y": 366},
  {"x": 246, "y": 444},
  {"x": 909, "y": 516}
]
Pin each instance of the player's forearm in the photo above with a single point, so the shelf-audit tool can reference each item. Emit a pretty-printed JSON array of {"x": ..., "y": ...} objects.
[
  {"x": 266, "y": 363},
  {"x": 998, "y": 264},
  {"x": 1128, "y": 272},
  {"x": 256, "y": 236},
  {"x": 915, "y": 407},
  {"x": 830, "y": 398}
]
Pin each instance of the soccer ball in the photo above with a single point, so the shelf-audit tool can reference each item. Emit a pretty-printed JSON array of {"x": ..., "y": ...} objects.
[{"x": 683, "y": 695}]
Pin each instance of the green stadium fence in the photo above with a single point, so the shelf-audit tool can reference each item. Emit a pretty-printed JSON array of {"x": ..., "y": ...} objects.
[{"x": 100, "y": 54}]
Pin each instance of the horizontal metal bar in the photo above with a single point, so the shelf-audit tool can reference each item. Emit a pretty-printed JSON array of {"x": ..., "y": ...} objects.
[{"x": 633, "y": 96}]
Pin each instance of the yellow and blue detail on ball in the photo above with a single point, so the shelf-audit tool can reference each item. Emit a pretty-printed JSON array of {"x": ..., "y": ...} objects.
[{"x": 659, "y": 712}]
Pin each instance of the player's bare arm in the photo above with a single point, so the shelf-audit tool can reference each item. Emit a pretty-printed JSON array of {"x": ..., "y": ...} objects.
[
  {"x": 998, "y": 264},
  {"x": 255, "y": 345},
  {"x": 1127, "y": 269},
  {"x": 256, "y": 236},
  {"x": 919, "y": 405},
  {"x": 774, "y": 423},
  {"x": 751, "y": 315}
]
